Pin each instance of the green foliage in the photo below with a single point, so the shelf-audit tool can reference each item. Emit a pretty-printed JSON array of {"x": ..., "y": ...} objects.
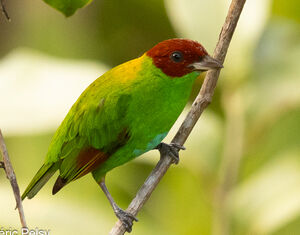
[
  {"x": 287, "y": 9},
  {"x": 67, "y": 7},
  {"x": 118, "y": 39}
]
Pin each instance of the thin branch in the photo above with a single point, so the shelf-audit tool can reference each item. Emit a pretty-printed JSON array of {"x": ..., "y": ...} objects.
[
  {"x": 10, "y": 174},
  {"x": 4, "y": 10},
  {"x": 201, "y": 102}
]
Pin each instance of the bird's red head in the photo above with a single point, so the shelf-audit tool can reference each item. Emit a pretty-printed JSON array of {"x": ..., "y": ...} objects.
[{"x": 178, "y": 57}]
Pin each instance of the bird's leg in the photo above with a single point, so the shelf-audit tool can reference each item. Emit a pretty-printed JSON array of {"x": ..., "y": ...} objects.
[
  {"x": 170, "y": 149},
  {"x": 125, "y": 217}
]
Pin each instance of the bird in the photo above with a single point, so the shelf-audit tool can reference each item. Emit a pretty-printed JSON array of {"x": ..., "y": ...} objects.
[{"x": 124, "y": 113}]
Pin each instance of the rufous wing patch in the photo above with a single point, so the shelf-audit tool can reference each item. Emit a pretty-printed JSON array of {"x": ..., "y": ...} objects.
[{"x": 88, "y": 160}]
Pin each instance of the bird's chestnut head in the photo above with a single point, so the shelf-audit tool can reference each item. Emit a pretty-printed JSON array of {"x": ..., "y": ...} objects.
[{"x": 178, "y": 57}]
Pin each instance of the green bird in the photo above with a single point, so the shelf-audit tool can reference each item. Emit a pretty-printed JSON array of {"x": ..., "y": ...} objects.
[{"x": 124, "y": 113}]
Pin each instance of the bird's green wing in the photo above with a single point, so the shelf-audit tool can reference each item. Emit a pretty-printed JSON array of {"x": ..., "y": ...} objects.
[{"x": 93, "y": 130}]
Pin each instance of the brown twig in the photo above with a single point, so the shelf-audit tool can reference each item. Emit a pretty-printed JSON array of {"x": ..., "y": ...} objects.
[
  {"x": 10, "y": 174},
  {"x": 201, "y": 102},
  {"x": 4, "y": 10}
]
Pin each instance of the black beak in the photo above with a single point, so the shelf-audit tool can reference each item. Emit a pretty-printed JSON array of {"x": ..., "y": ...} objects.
[{"x": 206, "y": 63}]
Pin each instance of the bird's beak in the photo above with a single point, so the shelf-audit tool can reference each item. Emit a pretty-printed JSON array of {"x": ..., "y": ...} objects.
[{"x": 206, "y": 63}]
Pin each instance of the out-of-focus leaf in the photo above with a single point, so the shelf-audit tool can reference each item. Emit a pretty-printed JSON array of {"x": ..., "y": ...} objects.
[
  {"x": 111, "y": 32},
  {"x": 281, "y": 134},
  {"x": 37, "y": 90},
  {"x": 198, "y": 20},
  {"x": 276, "y": 56},
  {"x": 287, "y": 9},
  {"x": 128, "y": 28},
  {"x": 291, "y": 227},
  {"x": 269, "y": 198},
  {"x": 67, "y": 7},
  {"x": 272, "y": 96}
]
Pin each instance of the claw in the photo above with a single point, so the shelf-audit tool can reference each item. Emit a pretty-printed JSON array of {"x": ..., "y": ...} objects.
[
  {"x": 171, "y": 149},
  {"x": 126, "y": 218},
  {"x": 178, "y": 146}
]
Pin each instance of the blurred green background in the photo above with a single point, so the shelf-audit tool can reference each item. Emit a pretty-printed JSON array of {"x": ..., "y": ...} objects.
[{"x": 240, "y": 173}]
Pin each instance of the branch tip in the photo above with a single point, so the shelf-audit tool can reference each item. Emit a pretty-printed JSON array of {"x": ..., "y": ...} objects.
[
  {"x": 4, "y": 11},
  {"x": 11, "y": 176}
]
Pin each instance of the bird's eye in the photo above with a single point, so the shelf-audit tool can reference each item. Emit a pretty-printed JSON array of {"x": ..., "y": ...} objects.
[{"x": 176, "y": 56}]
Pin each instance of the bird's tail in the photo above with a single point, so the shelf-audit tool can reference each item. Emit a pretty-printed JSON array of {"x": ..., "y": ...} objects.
[{"x": 39, "y": 180}]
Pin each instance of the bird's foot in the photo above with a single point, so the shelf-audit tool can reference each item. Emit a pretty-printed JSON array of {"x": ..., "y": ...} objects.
[
  {"x": 2, "y": 165},
  {"x": 126, "y": 218},
  {"x": 171, "y": 149}
]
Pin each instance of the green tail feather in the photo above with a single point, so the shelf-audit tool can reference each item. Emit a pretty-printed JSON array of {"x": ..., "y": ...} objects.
[{"x": 39, "y": 180}]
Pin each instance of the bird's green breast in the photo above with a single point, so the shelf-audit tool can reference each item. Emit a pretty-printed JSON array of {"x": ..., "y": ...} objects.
[
  {"x": 154, "y": 103},
  {"x": 158, "y": 100}
]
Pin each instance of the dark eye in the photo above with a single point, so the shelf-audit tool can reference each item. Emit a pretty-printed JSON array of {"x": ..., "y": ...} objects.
[{"x": 176, "y": 56}]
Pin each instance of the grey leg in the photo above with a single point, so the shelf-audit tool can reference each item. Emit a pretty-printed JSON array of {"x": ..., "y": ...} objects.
[{"x": 125, "y": 217}]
